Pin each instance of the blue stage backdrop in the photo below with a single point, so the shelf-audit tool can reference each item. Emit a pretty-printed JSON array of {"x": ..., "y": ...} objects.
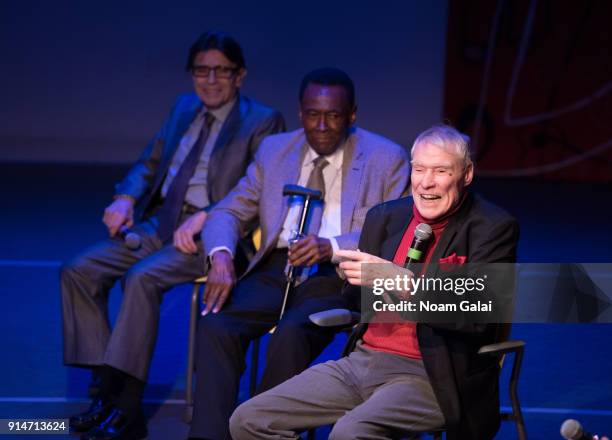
[{"x": 92, "y": 81}]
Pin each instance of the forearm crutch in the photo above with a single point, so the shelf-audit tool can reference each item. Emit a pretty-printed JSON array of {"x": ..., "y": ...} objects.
[{"x": 308, "y": 196}]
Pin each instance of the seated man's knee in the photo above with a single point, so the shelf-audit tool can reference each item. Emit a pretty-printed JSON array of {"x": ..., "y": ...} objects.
[
  {"x": 292, "y": 330},
  {"x": 297, "y": 334},
  {"x": 73, "y": 268},
  {"x": 242, "y": 421},
  {"x": 345, "y": 428},
  {"x": 141, "y": 287},
  {"x": 67, "y": 271},
  {"x": 214, "y": 325},
  {"x": 259, "y": 416},
  {"x": 142, "y": 278},
  {"x": 138, "y": 274}
]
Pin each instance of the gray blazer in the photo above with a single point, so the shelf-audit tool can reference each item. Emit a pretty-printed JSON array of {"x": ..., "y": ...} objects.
[
  {"x": 246, "y": 125},
  {"x": 374, "y": 170}
]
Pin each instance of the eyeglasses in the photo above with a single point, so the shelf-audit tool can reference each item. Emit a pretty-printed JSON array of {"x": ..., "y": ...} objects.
[{"x": 220, "y": 71}]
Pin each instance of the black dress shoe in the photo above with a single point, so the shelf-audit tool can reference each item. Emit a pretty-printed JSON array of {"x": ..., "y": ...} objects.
[
  {"x": 98, "y": 412},
  {"x": 118, "y": 426}
]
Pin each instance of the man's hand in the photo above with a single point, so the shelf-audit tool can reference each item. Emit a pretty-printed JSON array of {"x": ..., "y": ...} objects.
[
  {"x": 221, "y": 280},
  {"x": 358, "y": 275},
  {"x": 119, "y": 213},
  {"x": 310, "y": 250},
  {"x": 351, "y": 265},
  {"x": 183, "y": 236}
]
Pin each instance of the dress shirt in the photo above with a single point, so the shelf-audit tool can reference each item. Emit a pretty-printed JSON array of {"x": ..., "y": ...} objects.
[
  {"x": 330, "y": 221},
  {"x": 197, "y": 191}
]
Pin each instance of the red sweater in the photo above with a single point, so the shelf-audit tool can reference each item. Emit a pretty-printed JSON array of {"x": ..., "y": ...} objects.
[{"x": 400, "y": 337}]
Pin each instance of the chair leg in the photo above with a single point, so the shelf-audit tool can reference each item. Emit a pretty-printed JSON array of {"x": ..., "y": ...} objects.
[
  {"x": 193, "y": 316},
  {"x": 254, "y": 367},
  {"x": 517, "y": 414}
]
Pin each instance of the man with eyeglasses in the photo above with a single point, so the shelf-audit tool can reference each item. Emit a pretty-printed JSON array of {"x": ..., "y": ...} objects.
[{"x": 201, "y": 151}]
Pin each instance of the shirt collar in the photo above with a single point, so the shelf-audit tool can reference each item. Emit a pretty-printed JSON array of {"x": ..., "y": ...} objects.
[
  {"x": 335, "y": 159},
  {"x": 222, "y": 112}
]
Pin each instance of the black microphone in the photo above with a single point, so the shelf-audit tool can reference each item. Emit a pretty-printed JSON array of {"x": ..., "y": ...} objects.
[
  {"x": 131, "y": 239},
  {"x": 420, "y": 242},
  {"x": 572, "y": 430}
]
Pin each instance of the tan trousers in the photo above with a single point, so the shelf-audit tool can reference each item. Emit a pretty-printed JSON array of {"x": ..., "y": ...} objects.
[{"x": 366, "y": 395}]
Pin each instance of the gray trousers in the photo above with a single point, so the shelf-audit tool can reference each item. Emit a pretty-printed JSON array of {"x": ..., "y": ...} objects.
[
  {"x": 367, "y": 395},
  {"x": 145, "y": 275}
]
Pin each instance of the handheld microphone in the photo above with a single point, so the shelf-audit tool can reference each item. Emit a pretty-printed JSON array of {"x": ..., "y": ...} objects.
[
  {"x": 420, "y": 242},
  {"x": 572, "y": 430},
  {"x": 131, "y": 239}
]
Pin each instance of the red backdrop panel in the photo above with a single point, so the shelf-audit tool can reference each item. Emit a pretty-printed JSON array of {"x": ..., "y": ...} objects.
[{"x": 531, "y": 82}]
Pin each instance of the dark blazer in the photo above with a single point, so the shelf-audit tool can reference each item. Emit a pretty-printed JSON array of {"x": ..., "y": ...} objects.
[
  {"x": 464, "y": 382},
  {"x": 246, "y": 125}
]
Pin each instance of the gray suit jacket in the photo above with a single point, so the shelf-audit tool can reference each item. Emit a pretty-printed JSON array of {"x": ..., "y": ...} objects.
[
  {"x": 246, "y": 125},
  {"x": 374, "y": 170}
]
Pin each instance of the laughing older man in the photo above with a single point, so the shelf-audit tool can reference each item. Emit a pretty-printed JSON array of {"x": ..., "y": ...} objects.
[{"x": 405, "y": 377}]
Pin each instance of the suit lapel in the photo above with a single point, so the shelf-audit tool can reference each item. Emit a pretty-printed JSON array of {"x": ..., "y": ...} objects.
[
  {"x": 352, "y": 169},
  {"x": 182, "y": 124},
  {"x": 448, "y": 236},
  {"x": 228, "y": 130},
  {"x": 395, "y": 233}
]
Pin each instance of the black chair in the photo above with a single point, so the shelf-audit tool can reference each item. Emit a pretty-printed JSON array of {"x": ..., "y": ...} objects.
[
  {"x": 198, "y": 286},
  {"x": 347, "y": 319}
]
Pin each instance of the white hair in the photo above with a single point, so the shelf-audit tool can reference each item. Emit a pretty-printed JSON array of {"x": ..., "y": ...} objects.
[{"x": 447, "y": 138}]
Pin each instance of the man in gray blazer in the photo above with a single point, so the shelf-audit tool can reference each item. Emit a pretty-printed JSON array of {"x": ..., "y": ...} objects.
[
  {"x": 199, "y": 154},
  {"x": 355, "y": 170}
]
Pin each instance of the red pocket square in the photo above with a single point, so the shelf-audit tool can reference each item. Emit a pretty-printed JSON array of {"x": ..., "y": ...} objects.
[{"x": 453, "y": 260}]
